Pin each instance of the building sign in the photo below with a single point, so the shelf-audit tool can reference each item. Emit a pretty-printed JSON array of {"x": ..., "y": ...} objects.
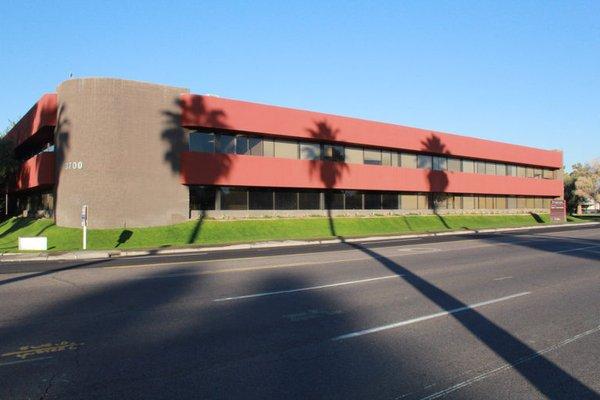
[{"x": 558, "y": 211}]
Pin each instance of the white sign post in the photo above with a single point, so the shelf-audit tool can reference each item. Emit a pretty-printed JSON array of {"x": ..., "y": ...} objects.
[{"x": 84, "y": 220}]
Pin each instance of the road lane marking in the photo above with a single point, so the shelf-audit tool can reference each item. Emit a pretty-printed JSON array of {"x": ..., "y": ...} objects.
[
  {"x": 578, "y": 249},
  {"x": 427, "y": 317},
  {"x": 26, "y": 351},
  {"x": 24, "y": 361},
  {"x": 507, "y": 366},
  {"x": 249, "y": 296},
  {"x": 503, "y": 278}
]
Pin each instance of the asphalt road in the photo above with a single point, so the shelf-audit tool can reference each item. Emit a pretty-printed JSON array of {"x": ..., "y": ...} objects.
[{"x": 497, "y": 316}]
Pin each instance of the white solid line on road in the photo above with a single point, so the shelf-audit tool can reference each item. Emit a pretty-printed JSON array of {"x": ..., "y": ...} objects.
[
  {"x": 388, "y": 241},
  {"x": 248, "y": 296},
  {"x": 577, "y": 249},
  {"x": 507, "y": 366},
  {"x": 24, "y": 361},
  {"x": 426, "y": 317},
  {"x": 503, "y": 278}
]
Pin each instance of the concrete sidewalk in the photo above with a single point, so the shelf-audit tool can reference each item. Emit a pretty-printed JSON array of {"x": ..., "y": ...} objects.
[{"x": 105, "y": 254}]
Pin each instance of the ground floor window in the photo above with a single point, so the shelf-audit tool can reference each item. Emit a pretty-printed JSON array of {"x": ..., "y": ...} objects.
[{"x": 238, "y": 198}]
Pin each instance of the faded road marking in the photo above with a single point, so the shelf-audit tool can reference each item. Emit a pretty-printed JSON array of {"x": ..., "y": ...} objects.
[
  {"x": 503, "y": 278},
  {"x": 426, "y": 317},
  {"x": 311, "y": 314},
  {"x": 24, "y": 361},
  {"x": 27, "y": 351},
  {"x": 507, "y": 366},
  {"x": 248, "y": 296}
]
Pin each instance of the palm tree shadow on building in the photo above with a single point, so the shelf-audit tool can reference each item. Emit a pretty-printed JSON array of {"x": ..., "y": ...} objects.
[
  {"x": 329, "y": 172},
  {"x": 437, "y": 179},
  {"x": 512, "y": 350},
  {"x": 176, "y": 138}
]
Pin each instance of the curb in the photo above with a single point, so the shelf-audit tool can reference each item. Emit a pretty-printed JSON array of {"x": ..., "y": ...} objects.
[{"x": 95, "y": 255}]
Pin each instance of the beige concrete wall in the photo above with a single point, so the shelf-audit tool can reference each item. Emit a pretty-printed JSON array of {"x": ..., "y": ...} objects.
[{"x": 117, "y": 145}]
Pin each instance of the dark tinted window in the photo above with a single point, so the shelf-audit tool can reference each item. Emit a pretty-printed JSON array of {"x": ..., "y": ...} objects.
[
  {"x": 202, "y": 198},
  {"x": 225, "y": 144},
  {"x": 286, "y": 200},
  {"x": 353, "y": 200},
  {"x": 260, "y": 199},
  {"x": 334, "y": 200},
  {"x": 241, "y": 145},
  {"x": 309, "y": 200},
  {"x": 234, "y": 199},
  {"x": 372, "y": 201},
  {"x": 389, "y": 201},
  {"x": 202, "y": 141}
]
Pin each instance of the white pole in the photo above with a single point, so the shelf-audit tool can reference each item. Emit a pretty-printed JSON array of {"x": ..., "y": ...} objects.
[{"x": 85, "y": 237}]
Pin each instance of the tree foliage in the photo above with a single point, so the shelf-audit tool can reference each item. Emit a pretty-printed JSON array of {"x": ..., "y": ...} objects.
[{"x": 582, "y": 185}]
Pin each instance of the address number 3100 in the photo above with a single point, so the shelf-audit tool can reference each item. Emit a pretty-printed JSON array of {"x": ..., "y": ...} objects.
[{"x": 74, "y": 165}]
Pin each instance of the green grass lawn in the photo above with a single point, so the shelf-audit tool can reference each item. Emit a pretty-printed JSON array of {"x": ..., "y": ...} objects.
[{"x": 212, "y": 232}]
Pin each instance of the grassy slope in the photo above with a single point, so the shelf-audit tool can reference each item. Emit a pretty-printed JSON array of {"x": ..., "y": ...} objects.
[{"x": 220, "y": 232}]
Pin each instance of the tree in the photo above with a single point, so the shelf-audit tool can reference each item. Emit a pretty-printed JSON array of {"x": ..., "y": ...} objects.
[
  {"x": 8, "y": 164},
  {"x": 583, "y": 185}
]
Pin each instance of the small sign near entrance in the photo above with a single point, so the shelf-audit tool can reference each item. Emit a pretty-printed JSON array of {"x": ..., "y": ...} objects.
[{"x": 558, "y": 211}]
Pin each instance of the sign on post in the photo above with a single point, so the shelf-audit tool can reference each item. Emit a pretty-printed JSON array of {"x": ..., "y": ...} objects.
[
  {"x": 558, "y": 211},
  {"x": 84, "y": 222}
]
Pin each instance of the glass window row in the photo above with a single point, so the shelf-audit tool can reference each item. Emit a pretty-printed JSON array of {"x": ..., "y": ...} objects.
[
  {"x": 236, "y": 198},
  {"x": 208, "y": 142}
]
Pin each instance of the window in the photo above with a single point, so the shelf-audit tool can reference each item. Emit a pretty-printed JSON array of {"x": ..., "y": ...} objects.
[
  {"x": 529, "y": 172},
  {"x": 372, "y": 201},
  {"x": 521, "y": 173},
  {"x": 490, "y": 168},
  {"x": 310, "y": 151},
  {"x": 454, "y": 165},
  {"x": 537, "y": 173},
  {"x": 423, "y": 201},
  {"x": 548, "y": 174},
  {"x": 386, "y": 157},
  {"x": 286, "y": 200},
  {"x": 389, "y": 201},
  {"x": 395, "y": 159},
  {"x": 234, "y": 199},
  {"x": 530, "y": 202},
  {"x": 334, "y": 200},
  {"x": 202, "y": 198},
  {"x": 546, "y": 202},
  {"x": 309, "y": 200},
  {"x": 333, "y": 152},
  {"x": 511, "y": 170},
  {"x": 409, "y": 201},
  {"x": 372, "y": 157},
  {"x": 255, "y": 146},
  {"x": 468, "y": 166},
  {"x": 521, "y": 202},
  {"x": 501, "y": 202},
  {"x": 424, "y": 161},
  {"x": 468, "y": 202},
  {"x": 268, "y": 148},
  {"x": 480, "y": 167},
  {"x": 241, "y": 144},
  {"x": 354, "y": 155},
  {"x": 353, "y": 200},
  {"x": 202, "y": 142},
  {"x": 440, "y": 163},
  {"x": 408, "y": 160},
  {"x": 260, "y": 199},
  {"x": 501, "y": 169},
  {"x": 225, "y": 144},
  {"x": 539, "y": 202},
  {"x": 439, "y": 201},
  {"x": 286, "y": 149}
]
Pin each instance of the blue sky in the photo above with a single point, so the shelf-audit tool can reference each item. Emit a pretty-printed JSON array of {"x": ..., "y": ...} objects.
[{"x": 525, "y": 72}]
